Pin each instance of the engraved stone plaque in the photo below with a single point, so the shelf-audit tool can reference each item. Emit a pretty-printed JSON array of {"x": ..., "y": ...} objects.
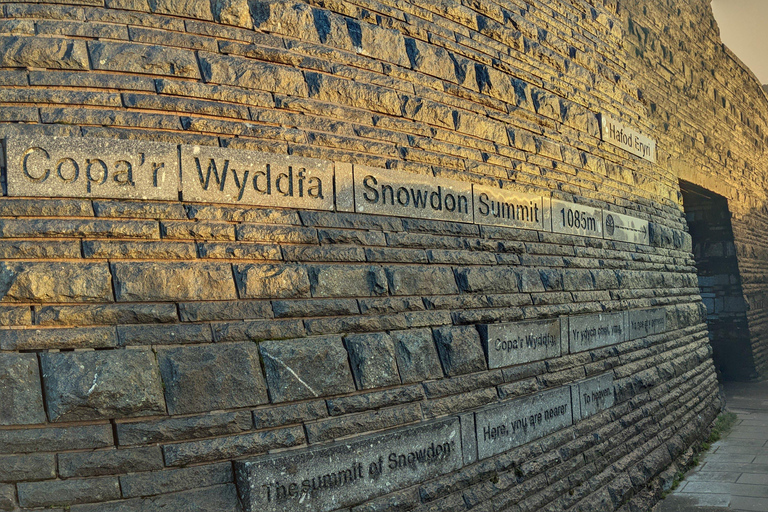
[
  {"x": 504, "y": 207},
  {"x": 594, "y": 395},
  {"x": 346, "y": 473},
  {"x": 503, "y": 427},
  {"x": 645, "y": 322},
  {"x": 625, "y": 228},
  {"x": 521, "y": 342},
  {"x": 92, "y": 168},
  {"x": 587, "y": 332},
  {"x": 234, "y": 176},
  {"x": 614, "y": 132},
  {"x": 403, "y": 194},
  {"x": 576, "y": 219}
]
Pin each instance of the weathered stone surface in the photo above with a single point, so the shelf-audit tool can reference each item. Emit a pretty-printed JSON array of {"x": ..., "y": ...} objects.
[
  {"x": 48, "y": 52},
  {"x": 108, "y": 314},
  {"x": 175, "y": 429},
  {"x": 27, "y": 468},
  {"x": 7, "y": 497},
  {"x": 208, "y": 378},
  {"x": 350, "y": 466},
  {"x": 174, "y": 480},
  {"x": 202, "y": 311},
  {"x": 173, "y": 334},
  {"x": 288, "y": 414},
  {"x": 222, "y": 448},
  {"x": 219, "y": 497},
  {"x": 645, "y": 322},
  {"x": 55, "y": 282},
  {"x": 272, "y": 281},
  {"x": 141, "y": 58},
  {"x": 292, "y": 368},
  {"x": 41, "y": 339},
  {"x": 377, "y": 399},
  {"x": 257, "y": 330},
  {"x": 459, "y": 349},
  {"x": 232, "y": 12},
  {"x": 407, "y": 280},
  {"x": 510, "y": 344},
  {"x": 21, "y": 397},
  {"x": 387, "y": 192},
  {"x": 105, "y": 384},
  {"x": 488, "y": 280},
  {"x": 55, "y": 439},
  {"x": 587, "y": 332},
  {"x": 347, "y": 281},
  {"x": 185, "y": 8},
  {"x": 416, "y": 355},
  {"x": 316, "y": 307},
  {"x": 104, "y": 168},
  {"x": 110, "y": 462},
  {"x": 68, "y": 492},
  {"x": 510, "y": 424},
  {"x": 173, "y": 281},
  {"x": 229, "y": 70},
  {"x": 372, "y": 359}
]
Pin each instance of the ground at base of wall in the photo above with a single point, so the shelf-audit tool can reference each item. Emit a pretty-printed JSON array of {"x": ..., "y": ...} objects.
[{"x": 733, "y": 474}]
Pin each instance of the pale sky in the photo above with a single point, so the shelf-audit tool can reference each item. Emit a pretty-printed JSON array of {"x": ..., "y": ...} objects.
[{"x": 744, "y": 29}]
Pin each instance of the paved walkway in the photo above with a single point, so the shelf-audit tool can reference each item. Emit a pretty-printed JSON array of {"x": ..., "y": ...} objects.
[{"x": 733, "y": 475}]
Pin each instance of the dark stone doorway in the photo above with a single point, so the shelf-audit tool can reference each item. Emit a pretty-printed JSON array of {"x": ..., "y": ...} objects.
[{"x": 709, "y": 222}]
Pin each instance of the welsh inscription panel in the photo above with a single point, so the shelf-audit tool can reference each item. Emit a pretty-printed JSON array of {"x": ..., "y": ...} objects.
[
  {"x": 645, "y": 322},
  {"x": 614, "y": 132},
  {"x": 332, "y": 477},
  {"x": 91, "y": 168},
  {"x": 503, "y": 427},
  {"x": 220, "y": 175},
  {"x": 587, "y": 332},
  {"x": 521, "y": 342}
]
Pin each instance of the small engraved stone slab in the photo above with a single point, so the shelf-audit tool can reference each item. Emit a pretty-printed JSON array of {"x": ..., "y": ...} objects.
[
  {"x": 234, "y": 176},
  {"x": 503, "y": 427},
  {"x": 625, "y": 228},
  {"x": 614, "y": 132},
  {"x": 343, "y": 474},
  {"x": 91, "y": 168},
  {"x": 594, "y": 395},
  {"x": 645, "y": 322},
  {"x": 403, "y": 194},
  {"x": 521, "y": 342},
  {"x": 504, "y": 207},
  {"x": 576, "y": 219},
  {"x": 587, "y": 332}
]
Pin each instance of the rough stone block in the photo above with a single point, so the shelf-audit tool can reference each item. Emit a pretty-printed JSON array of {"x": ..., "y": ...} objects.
[
  {"x": 7, "y": 497},
  {"x": 27, "y": 468},
  {"x": 173, "y": 281},
  {"x": 56, "y": 438},
  {"x": 488, "y": 280},
  {"x": 229, "y": 70},
  {"x": 208, "y": 378},
  {"x": 98, "y": 463},
  {"x": 142, "y": 58},
  {"x": 416, "y": 355},
  {"x": 98, "y": 385},
  {"x": 372, "y": 358},
  {"x": 176, "y": 429},
  {"x": 68, "y": 492},
  {"x": 292, "y": 368},
  {"x": 459, "y": 349},
  {"x": 222, "y": 448},
  {"x": 174, "y": 480},
  {"x": 287, "y": 414},
  {"x": 232, "y": 12},
  {"x": 344, "y": 426},
  {"x": 257, "y": 330},
  {"x": 21, "y": 397},
  {"x": 347, "y": 281},
  {"x": 217, "y": 498},
  {"x": 42, "y": 339},
  {"x": 272, "y": 281},
  {"x": 55, "y": 282},
  {"x": 421, "y": 280},
  {"x": 48, "y": 52},
  {"x": 233, "y": 310}
]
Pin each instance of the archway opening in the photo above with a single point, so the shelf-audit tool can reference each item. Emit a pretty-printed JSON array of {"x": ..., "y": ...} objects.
[{"x": 709, "y": 222}]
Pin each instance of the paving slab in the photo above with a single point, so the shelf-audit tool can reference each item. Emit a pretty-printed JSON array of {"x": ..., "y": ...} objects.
[{"x": 733, "y": 475}]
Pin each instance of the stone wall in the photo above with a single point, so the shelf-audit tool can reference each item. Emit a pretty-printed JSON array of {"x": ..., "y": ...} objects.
[{"x": 197, "y": 352}]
